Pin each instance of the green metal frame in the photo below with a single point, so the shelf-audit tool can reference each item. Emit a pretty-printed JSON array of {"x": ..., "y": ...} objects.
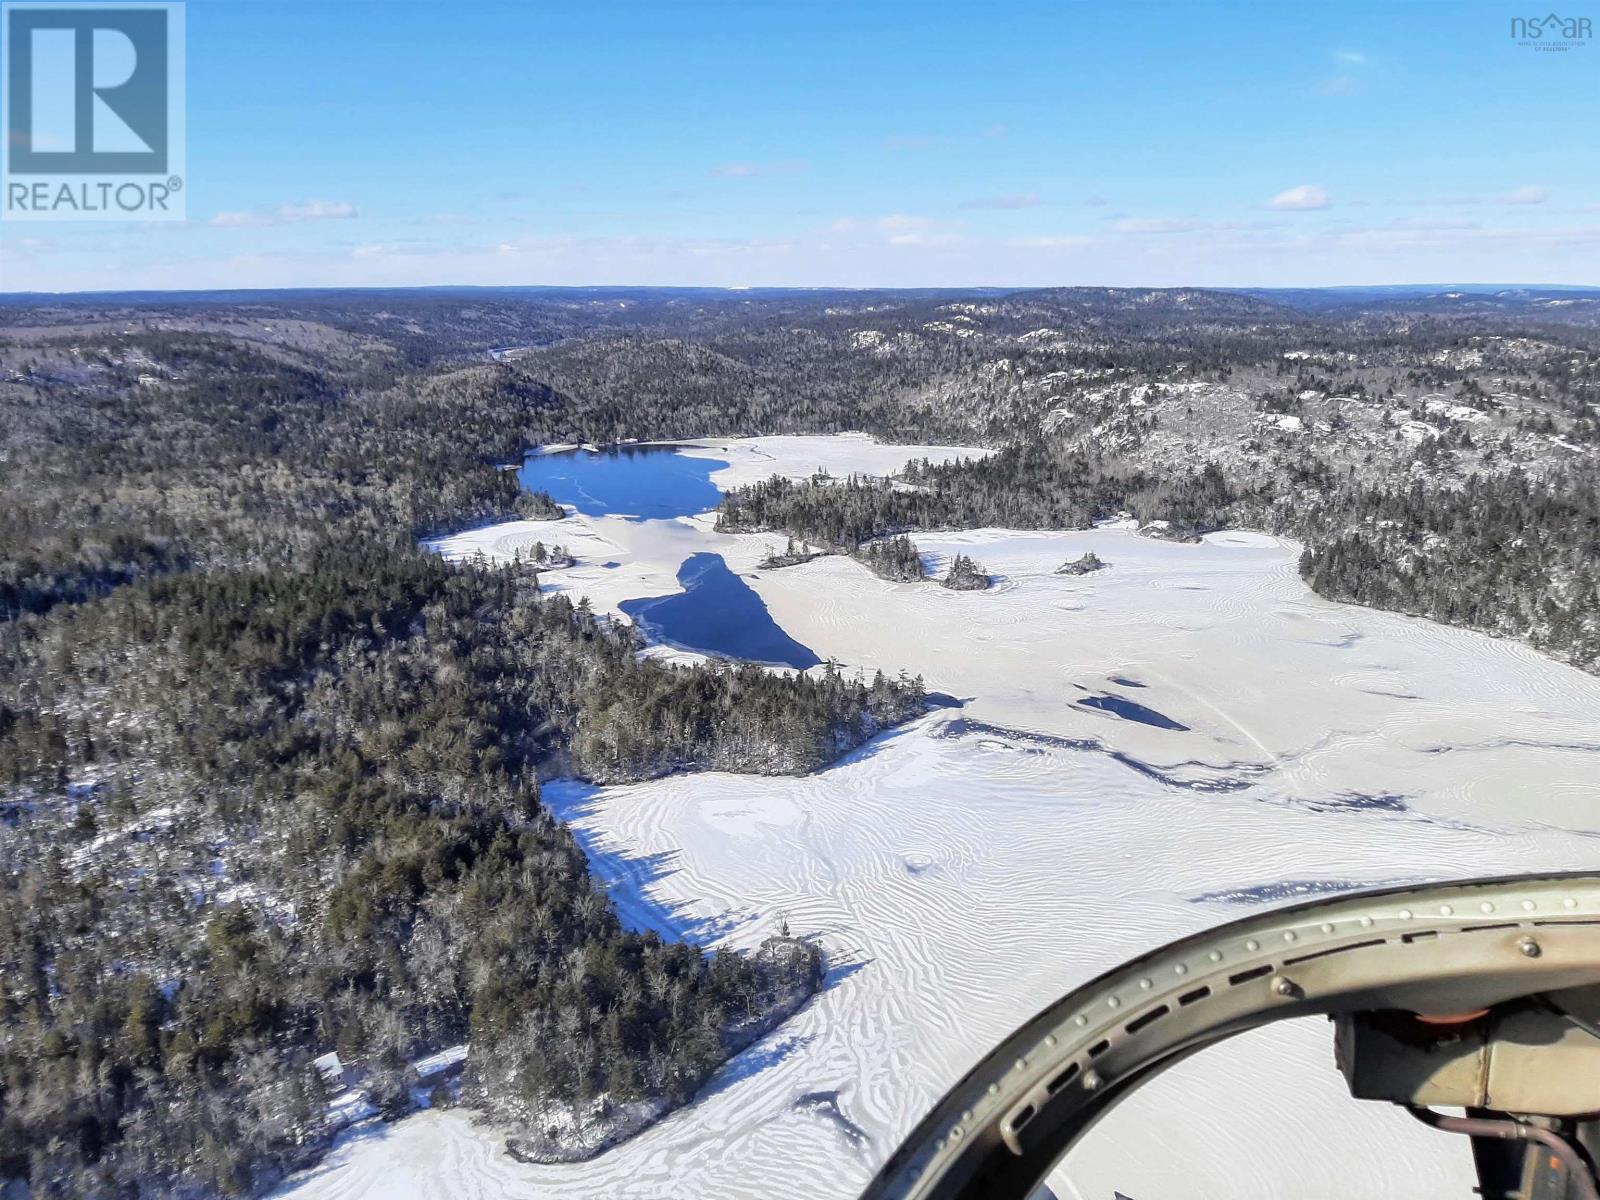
[{"x": 1448, "y": 948}]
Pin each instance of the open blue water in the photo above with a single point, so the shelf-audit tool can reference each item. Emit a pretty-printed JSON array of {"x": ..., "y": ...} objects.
[
  {"x": 642, "y": 482},
  {"x": 717, "y": 613}
]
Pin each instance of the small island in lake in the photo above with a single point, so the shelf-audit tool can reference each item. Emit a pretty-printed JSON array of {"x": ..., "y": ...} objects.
[
  {"x": 1090, "y": 562},
  {"x": 893, "y": 558},
  {"x": 965, "y": 575},
  {"x": 791, "y": 555}
]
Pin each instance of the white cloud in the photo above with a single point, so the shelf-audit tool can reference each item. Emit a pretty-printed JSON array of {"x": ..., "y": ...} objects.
[
  {"x": 1151, "y": 225},
  {"x": 319, "y": 210},
  {"x": 1009, "y": 200},
  {"x": 1346, "y": 82},
  {"x": 903, "y": 223},
  {"x": 904, "y": 229},
  {"x": 379, "y": 249},
  {"x": 1464, "y": 238},
  {"x": 756, "y": 170},
  {"x": 1526, "y": 195},
  {"x": 1532, "y": 194},
  {"x": 1055, "y": 241},
  {"x": 1278, "y": 250},
  {"x": 1304, "y": 198},
  {"x": 1144, "y": 225},
  {"x": 287, "y": 214}
]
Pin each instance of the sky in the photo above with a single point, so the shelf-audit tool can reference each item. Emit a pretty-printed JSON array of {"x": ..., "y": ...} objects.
[{"x": 870, "y": 144}]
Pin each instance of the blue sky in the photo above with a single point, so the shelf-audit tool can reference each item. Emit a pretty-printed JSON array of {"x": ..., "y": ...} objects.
[{"x": 861, "y": 144}]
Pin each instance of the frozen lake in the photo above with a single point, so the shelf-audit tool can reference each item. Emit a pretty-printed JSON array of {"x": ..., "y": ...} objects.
[{"x": 1253, "y": 744}]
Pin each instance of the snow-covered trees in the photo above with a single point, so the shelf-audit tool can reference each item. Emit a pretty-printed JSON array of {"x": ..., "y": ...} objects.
[
  {"x": 356, "y": 742},
  {"x": 965, "y": 575},
  {"x": 1085, "y": 564}
]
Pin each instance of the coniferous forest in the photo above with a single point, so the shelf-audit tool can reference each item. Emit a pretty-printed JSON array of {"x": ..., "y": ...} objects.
[
  {"x": 270, "y": 778},
  {"x": 271, "y": 773}
]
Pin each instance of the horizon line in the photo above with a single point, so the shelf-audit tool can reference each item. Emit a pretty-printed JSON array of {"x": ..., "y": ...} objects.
[{"x": 8, "y": 296}]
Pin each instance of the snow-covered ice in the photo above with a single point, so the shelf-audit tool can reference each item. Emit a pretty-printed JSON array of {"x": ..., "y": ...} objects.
[
  {"x": 964, "y": 871},
  {"x": 799, "y": 455}
]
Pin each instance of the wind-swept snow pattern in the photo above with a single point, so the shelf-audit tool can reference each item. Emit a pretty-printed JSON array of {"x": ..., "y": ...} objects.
[{"x": 963, "y": 871}]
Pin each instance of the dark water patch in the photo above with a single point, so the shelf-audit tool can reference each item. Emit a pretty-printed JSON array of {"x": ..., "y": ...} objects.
[
  {"x": 1226, "y": 777},
  {"x": 826, "y": 1106},
  {"x": 1165, "y": 776},
  {"x": 942, "y": 700},
  {"x": 1517, "y": 743},
  {"x": 1347, "y": 642},
  {"x": 610, "y": 566},
  {"x": 1359, "y": 802},
  {"x": 1124, "y": 681},
  {"x": 1292, "y": 889},
  {"x": 966, "y": 727},
  {"x": 642, "y": 482},
  {"x": 1130, "y": 710},
  {"x": 717, "y": 613},
  {"x": 1389, "y": 805}
]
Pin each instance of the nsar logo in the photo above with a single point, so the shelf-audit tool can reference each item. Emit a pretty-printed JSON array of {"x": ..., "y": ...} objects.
[
  {"x": 93, "y": 112},
  {"x": 1551, "y": 32}
]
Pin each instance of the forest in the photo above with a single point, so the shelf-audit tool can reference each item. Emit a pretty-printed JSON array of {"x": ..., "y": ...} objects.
[
  {"x": 1510, "y": 556},
  {"x": 270, "y": 774},
  {"x": 1033, "y": 484}
]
